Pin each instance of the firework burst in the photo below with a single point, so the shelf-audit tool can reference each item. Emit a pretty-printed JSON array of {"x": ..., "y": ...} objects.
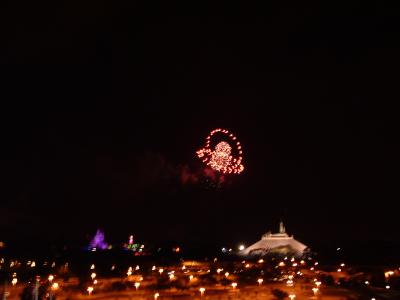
[{"x": 222, "y": 152}]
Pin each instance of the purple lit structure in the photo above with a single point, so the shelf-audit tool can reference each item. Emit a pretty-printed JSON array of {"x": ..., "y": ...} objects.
[{"x": 98, "y": 241}]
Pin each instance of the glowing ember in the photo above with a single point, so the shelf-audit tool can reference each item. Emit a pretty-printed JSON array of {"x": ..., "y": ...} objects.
[{"x": 223, "y": 158}]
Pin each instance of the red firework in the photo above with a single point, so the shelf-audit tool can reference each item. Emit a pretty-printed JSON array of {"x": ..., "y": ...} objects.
[{"x": 225, "y": 156}]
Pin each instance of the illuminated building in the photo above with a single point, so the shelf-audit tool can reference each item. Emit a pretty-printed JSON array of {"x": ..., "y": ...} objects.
[
  {"x": 98, "y": 241},
  {"x": 275, "y": 244},
  {"x": 135, "y": 247}
]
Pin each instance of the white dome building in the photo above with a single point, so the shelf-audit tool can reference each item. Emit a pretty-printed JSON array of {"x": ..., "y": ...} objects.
[{"x": 275, "y": 243}]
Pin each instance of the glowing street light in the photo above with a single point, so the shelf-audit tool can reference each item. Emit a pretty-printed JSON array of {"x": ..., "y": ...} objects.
[
  {"x": 226, "y": 274},
  {"x": 90, "y": 290},
  {"x": 315, "y": 291},
  {"x": 241, "y": 247},
  {"x": 93, "y": 275},
  {"x": 318, "y": 283},
  {"x": 14, "y": 281},
  {"x": 292, "y": 296},
  {"x": 92, "y": 267},
  {"x": 161, "y": 271},
  {"x": 234, "y": 285},
  {"x": 202, "y": 290},
  {"x": 260, "y": 281},
  {"x": 190, "y": 277},
  {"x": 137, "y": 284},
  {"x": 156, "y": 295},
  {"x": 55, "y": 287},
  {"x": 50, "y": 278}
]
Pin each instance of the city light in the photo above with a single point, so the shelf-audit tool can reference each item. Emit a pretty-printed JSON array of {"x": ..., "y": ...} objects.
[
  {"x": 90, "y": 290},
  {"x": 260, "y": 281},
  {"x": 241, "y": 247},
  {"x": 315, "y": 290},
  {"x": 202, "y": 290},
  {"x": 137, "y": 284},
  {"x": 234, "y": 285},
  {"x": 14, "y": 281},
  {"x": 50, "y": 278},
  {"x": 388, "y": 274},
  {"x": 55, "y": 286},
  {"x": 156, "y": 295},
  {"x": 93, "y": 275},
  {"x": 292, "y": 296}
]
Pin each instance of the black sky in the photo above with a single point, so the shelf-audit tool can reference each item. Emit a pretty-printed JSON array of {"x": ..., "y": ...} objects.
[{"x": 104, "y": 104}]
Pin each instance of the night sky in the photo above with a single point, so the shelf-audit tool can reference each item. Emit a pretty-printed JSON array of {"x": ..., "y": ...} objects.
[{"x": 103, "y": 106}]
